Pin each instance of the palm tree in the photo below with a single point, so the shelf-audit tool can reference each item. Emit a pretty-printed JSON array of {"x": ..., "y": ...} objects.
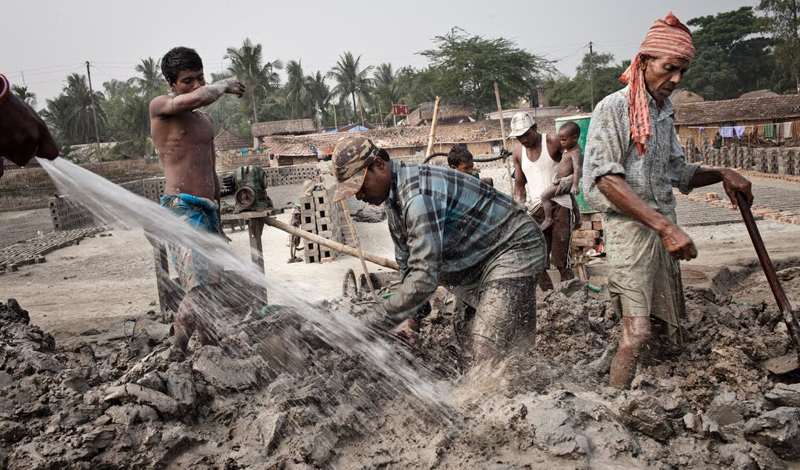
[
  {"x": 150, "y": 82},
  {"x": 56, "y": 115},
  {"x": 22, "y": 93},
  {"x": 258, "y": 78},
  {"x": 319, "y": 95},
  {"x": 135, "y": 117},
  {"x": 387, "y": 88},
  {"x": 350, "y": 79},
  {"x": 80, "y": 125},
  {"x": 296, "y": 91}
]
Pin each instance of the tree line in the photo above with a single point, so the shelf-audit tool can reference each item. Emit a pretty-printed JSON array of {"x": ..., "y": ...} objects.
[{"x": 737, "y": 51}]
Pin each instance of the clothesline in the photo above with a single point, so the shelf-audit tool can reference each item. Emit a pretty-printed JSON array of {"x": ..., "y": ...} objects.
[{"x": 789, "y": 129}]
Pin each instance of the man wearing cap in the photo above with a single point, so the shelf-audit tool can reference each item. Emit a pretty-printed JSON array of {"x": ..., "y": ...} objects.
[
  {"x": 450, "y": 229},
  {"x": 535, "y": 163},
  {"x": 633, "y": 162}
]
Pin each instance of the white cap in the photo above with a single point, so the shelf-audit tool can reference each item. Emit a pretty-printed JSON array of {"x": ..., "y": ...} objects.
[{"x": 520, "y": 124}]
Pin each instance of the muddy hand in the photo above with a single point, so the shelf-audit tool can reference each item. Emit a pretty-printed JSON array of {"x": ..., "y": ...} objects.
[
  {"x": 234, "y": 86},
  {"x": 408, "y": 330},
  {"x": 733, "y": 182},
  {"x": 679, "y": 245}
]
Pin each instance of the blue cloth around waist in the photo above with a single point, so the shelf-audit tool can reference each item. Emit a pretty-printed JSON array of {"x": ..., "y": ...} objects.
[{"x": 199, "y": 212}]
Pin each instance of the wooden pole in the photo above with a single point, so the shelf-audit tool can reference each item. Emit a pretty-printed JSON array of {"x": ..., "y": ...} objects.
[
  {"x": 434, "y": 121},
  {"x": 358, "y": 248},
  {"x": 91, "y": 99},
  {"x": 769, "y": 271},
  {"x": 503, "y": 132},
  {"x": 340, "y": 247}
]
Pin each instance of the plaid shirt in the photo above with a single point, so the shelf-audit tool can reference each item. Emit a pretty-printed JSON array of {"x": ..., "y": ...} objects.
[
  {"x": 445, "y": 226},
  {"x": 610, "y": 151}
]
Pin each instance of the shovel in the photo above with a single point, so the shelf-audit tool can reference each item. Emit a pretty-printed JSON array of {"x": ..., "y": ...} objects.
[{"x": 789, "y": 362}]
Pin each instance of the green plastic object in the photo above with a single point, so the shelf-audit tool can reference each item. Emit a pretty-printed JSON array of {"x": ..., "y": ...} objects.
[
  {"x": 387, "y": 295},
  {"x": 270, "y": 308},
  {"x": 582, "y": 120},
  {"x": 593, "y": 288}
]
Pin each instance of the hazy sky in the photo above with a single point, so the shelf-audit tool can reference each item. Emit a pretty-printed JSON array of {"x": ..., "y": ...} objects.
[{"x": 49, "y": 39}]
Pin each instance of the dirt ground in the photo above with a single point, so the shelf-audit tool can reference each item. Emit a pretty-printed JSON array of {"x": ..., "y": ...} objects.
[
  {"x": 104, "y": 280},
  {"x": 83, "y": 282},
  {"x": 79, "y": 395}
]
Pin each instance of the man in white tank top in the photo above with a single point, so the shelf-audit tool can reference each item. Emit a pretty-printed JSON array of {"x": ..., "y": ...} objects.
[{"x": 535, "y": 162}]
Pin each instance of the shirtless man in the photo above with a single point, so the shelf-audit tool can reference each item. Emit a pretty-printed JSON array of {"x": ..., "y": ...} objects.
[
  {"x": 535, "y": 162},
  {"x": 184, "y": 137},
  {"x": 568, "y": 171}
]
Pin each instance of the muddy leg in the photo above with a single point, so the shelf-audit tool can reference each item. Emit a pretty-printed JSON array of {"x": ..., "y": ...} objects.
[
  {"x": 505, "y": 318},
  {"x": 185, "y": 321},
  {"x": 197, "y": 312},
  {"x": 547, "y": 205},
  {"x": 635, "y": 333}
]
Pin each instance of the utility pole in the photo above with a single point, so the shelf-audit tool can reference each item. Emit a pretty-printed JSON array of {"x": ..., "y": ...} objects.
[
  {"x": 591, "y": 74},
  {"x": 335, "y": 121},
  {"x": 23, "y": 77},
  {"x": 91, "y": 97}
]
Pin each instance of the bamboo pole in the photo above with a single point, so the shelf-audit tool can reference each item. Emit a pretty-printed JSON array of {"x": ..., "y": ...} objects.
[
  {"x": 358, "y": 249},
  {"x": 503, "y": 133},
  {"x": 434, "y": 122},
  {"x": 340, "y": 247}
]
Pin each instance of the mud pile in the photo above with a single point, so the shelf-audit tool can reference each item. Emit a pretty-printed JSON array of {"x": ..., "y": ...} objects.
[{"x": 275, "y": 396}]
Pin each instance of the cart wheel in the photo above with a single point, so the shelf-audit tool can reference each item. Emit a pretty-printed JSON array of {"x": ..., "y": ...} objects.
[{"x": 349, "y": 286}]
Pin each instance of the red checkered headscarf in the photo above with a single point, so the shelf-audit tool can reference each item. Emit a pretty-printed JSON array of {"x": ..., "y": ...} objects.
[{"x": 666, "y": 38}]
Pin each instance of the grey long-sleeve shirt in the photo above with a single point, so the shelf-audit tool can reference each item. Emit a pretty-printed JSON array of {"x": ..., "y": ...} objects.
[{"x": 609, "y": 150}]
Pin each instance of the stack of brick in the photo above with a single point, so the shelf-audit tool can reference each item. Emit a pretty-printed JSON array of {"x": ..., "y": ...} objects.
[
  {"x": 69, "y": 215},
  {"x": 154, "y": 188},
  {"x": 589, "y": 235},
  {"x": 319, "y": 215},
  {"x": 297, "y": 174}
]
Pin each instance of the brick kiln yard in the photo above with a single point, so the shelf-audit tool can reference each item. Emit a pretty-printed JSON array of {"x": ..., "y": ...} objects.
[{"x": 88, "y": 397}]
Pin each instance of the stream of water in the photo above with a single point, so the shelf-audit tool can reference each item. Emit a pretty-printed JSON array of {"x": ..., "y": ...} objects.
[{"x": 120, "y": 208}]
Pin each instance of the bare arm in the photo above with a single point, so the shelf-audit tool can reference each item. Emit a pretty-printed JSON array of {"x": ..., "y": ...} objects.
[
  {"x": 732, "y": 181},
  {"x": 577, "y": 170},
  {"x": 205, "y": 95},
  {"x": 616, "y": 189},
  {"x": 519, "y": 178}
]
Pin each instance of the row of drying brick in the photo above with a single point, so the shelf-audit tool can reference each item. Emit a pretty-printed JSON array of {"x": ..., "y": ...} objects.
[
  {"x": 785, "y": 161},
  {"x": 33, "y": 251},
  {"x": 715, "y": 200}
]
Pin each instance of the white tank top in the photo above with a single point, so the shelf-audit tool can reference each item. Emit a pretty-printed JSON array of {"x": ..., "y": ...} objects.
[{"x": 540, "y": 174}]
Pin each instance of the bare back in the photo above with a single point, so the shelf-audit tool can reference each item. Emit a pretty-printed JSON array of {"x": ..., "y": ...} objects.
[{"x": 185, "y": 143}]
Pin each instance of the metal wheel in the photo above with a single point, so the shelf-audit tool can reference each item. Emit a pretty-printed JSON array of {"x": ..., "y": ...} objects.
[{"x": 245, "y": 196}]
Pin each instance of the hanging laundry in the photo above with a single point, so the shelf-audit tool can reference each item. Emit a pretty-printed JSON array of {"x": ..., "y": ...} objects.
[
  {"x": 726, "y": 131},
  {"x": 795, "y": 130},
  {"x": 769, "y": 131},
  {"x": 739, "y": 131},
  {"x": 702, "y": 129},
  {"x": 787, "y": 130}
]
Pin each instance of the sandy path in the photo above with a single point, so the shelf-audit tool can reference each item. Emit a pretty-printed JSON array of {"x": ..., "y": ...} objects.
[{"x": 103, "y": 280}]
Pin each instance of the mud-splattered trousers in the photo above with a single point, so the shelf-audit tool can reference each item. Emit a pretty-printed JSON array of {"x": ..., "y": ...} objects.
[{"x": 453, "y": 230}]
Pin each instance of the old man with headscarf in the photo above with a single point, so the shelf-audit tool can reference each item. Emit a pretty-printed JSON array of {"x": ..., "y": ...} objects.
[{"x": 633, "y": 162}]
